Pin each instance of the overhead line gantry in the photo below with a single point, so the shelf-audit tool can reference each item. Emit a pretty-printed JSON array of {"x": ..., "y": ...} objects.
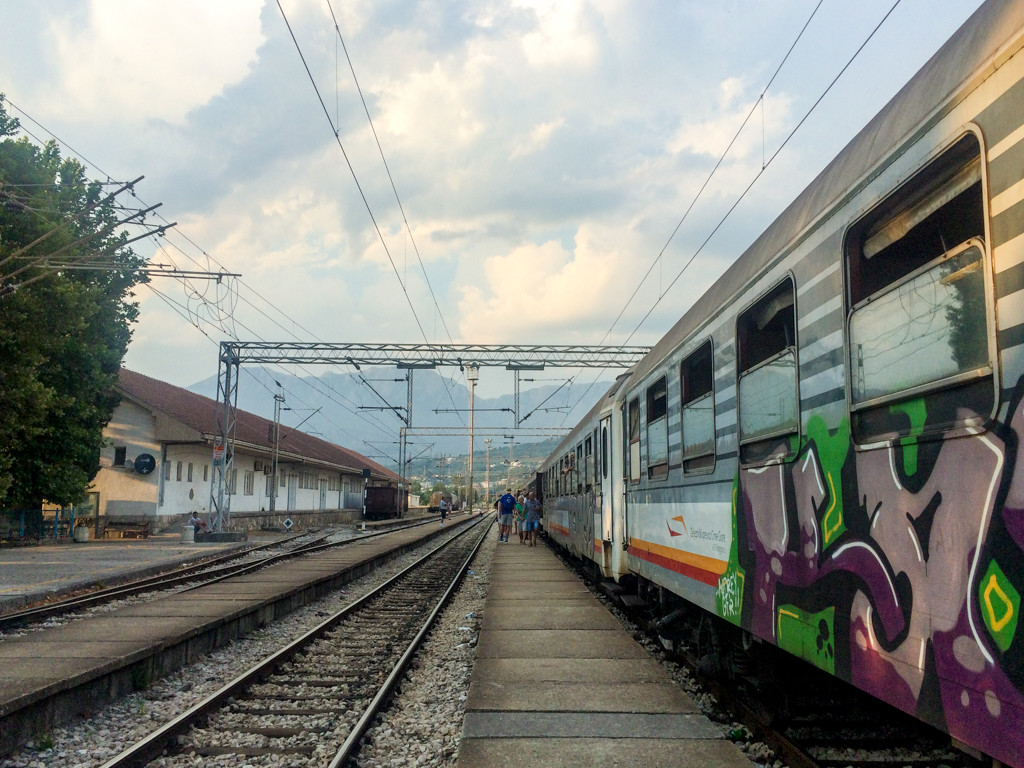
[{"x": 411, "y": 357}]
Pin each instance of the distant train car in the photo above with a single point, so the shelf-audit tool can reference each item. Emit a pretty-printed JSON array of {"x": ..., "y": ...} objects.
[
  {"x": 823, "y": 451},
  {"x": 435, "y": 501}
]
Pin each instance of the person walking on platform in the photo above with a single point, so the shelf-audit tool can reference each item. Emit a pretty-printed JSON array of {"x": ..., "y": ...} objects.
[
  {"x": 532, "y": 522},
  {"x": 445, "y": 506},
  {"x": 520, "y": 517},
  {"x": 507, "y": 507}
]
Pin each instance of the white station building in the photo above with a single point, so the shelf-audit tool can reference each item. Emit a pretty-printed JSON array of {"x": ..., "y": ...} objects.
[{"x": 158, "y": 464}]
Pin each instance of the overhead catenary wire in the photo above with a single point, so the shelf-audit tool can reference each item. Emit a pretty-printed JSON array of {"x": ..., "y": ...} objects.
[
  {"x": 348, "y": 162},
  {"x": 398, "y": 200},
  {"x": 764, "y": 166},
  {"x": 221, "y": 320},
  {"x": 355, "y": 176},
  {"x": 387, "y": 168},
  {"x": 711, "y": 175}
]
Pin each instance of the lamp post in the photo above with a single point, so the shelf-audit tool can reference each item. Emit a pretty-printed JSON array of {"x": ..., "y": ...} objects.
[
  {"x": 487, "y": 481},
  {"x": 472, "y": 375},
  {"x": 511, "y": 445},
  {"x": 278, "y": 401}
]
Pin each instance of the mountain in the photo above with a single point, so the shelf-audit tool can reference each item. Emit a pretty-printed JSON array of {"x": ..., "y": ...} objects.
[{"x": 362, "y": 410}]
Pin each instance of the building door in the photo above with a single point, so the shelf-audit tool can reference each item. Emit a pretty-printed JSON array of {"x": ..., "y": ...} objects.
[
  {"x": 293, "y": 481},
  {"x": 323, "y": 495}
]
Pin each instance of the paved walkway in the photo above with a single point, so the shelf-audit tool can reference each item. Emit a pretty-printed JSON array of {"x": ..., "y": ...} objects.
[
  {"x": 32, "y": 573},
  {"x": 558, "y": 682}
]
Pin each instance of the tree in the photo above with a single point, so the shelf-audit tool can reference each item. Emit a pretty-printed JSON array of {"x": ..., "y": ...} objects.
[{"x": 63, "y": 332}]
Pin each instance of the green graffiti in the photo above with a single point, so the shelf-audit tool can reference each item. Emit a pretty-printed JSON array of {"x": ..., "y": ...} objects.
[
  {"x": 917, "y": 412},
  {"x": 832, "y": 451},
  {"x": 811, "y": 636},
  {"x": 1000, "y": 605},
  {"x": 729, "y": 593}
]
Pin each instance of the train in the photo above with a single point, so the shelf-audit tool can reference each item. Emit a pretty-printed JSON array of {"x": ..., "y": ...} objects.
[
  {"x": 821, "y": 455},
  {"x": 435, "y": 501}
]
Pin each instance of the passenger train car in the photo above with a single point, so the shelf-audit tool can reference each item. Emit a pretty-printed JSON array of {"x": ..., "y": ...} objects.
[{"x": 827, "y": 450}]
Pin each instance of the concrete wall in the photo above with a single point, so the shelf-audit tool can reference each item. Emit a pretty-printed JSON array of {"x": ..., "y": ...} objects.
[{"x": 122, "y": 491}]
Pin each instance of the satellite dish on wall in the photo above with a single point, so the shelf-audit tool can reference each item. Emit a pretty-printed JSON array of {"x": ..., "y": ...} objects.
[{"x": 144, "y": 463}]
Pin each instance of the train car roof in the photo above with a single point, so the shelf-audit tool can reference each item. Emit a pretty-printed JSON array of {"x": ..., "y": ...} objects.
[
  {"x": 573, "y": 437},
  {"x": 975, "y": 51}
]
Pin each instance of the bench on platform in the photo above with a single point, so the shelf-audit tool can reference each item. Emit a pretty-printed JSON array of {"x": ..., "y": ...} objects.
[{"x": 125, "y": 529}]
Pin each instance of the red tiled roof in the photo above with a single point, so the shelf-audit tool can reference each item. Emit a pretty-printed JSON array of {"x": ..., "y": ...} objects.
[{"x": 200, "y": 413}]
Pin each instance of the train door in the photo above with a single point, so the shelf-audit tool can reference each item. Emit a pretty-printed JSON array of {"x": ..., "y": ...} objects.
[{"x": 605, "y": 477}]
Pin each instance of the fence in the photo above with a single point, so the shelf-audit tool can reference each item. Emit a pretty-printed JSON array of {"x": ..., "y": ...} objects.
[{"x": 26, "y": 525}]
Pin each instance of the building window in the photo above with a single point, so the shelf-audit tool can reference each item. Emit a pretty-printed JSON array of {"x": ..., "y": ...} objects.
[
  {"x": 120, "y": 454},
  {"x": 206, "y": 472},
  {"x": 177, "y": 474},
  {"x": 249, "y": 482},
  {"x": 634, "y": 439},
  {"x": 657, "y": 430},
  {"x": 920, "y": 336},
  {"x": 189, "y": 472},
  {"x": 768, "y": 404},
  {"x": 167, "y": 470},
  {"x": 232, "y": 478},
  {"x": 696, "y": 389}
]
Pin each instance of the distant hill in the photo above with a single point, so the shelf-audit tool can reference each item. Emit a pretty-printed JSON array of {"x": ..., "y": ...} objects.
[{"x": 341, "y": 408}]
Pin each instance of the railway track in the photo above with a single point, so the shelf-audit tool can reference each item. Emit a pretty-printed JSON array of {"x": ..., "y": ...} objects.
[
  {"x": 310, "y": 702},
  {"x": 207, "y": 572}
]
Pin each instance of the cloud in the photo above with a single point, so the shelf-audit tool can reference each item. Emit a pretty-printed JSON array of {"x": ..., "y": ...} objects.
[
  {"x": 144, "y": 59},
  {"x": 543, "y": 152}
]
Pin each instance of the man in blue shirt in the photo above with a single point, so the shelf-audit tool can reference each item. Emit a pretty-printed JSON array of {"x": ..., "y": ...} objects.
[{"x": 506, "y": 507}]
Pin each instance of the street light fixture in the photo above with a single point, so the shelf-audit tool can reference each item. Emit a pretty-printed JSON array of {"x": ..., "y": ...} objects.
[{"x": 278, "y": 402}]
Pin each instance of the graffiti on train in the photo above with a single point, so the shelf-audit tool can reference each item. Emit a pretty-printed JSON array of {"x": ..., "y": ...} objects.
[{"x": 899, "y": 569}]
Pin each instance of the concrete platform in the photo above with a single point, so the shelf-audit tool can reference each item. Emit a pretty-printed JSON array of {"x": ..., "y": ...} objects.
[
  {"x": 35, "y": 573},
  {"x": 558, "y": 682}
]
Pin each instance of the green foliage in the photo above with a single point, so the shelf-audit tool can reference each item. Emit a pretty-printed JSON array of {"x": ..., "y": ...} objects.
[
  {"x": 63, "y": 333},
  {"x": 44, "y": 741}
]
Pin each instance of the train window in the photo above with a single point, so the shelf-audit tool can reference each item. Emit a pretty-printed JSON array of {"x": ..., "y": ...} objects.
[
  {"x": 696, "y": 388},
  {"x": 604, "y": 452},
  {"x": 634, "y": 439},
  {"x": 769, "y": 418},
  {"x": 579, "y": 467},
  {"x": 657, "y": 430},
  {"x": 588, "y": 467},
  {"x": 920, "y": 333}
]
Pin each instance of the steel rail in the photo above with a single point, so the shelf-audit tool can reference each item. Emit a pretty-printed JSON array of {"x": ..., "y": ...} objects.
[
  {"x": 387, "y": 688},
  {"x": 153, "y": 746}
]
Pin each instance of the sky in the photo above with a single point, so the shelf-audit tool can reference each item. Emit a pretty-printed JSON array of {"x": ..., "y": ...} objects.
[{"x": 543, "y": 153}]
